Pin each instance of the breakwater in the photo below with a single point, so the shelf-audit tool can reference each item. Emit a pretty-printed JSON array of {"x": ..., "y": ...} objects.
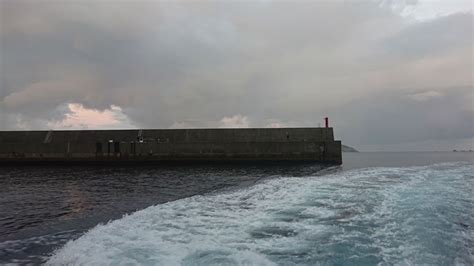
[{"x": 170, "y": 145}]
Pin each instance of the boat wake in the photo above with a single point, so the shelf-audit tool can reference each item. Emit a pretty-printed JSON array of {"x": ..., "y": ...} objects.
[{"x": 419, "y": 215}]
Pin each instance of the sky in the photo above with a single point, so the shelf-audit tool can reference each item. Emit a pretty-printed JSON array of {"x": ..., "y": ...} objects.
[{"x": 390, "y": 75}]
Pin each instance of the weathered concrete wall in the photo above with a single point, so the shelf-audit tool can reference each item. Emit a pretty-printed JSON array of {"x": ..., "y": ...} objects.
[{"x": 312, "y": 144}]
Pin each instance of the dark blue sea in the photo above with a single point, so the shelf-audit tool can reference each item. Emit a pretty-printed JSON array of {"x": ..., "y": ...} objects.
[{"x": 377, "y": 209}]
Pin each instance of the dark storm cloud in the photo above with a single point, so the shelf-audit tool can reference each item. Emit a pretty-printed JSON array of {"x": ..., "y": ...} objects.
[{"x": 274, "y": 63}]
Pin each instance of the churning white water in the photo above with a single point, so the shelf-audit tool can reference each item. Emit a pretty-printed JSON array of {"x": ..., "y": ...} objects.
[{"x": 419, "y": 215}]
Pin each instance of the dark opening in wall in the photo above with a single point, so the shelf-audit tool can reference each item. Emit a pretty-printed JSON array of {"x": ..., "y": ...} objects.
[
  {"x": 116, "y": 147},
  {"x": 108, "y": 146}
]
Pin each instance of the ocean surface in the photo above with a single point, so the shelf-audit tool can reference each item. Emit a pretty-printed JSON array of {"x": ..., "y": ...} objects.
[{"x": 377, "y": 209}]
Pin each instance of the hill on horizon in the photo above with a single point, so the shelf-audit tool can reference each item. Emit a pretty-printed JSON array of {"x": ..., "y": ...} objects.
[{"x": 346, "y": 148}]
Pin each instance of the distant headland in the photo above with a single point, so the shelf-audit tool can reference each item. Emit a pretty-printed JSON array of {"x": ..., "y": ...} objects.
[{"x": 346, "y": 148}]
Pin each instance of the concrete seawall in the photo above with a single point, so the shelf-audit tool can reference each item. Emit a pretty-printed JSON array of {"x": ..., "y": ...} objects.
[{"x": 171, "y": 145}]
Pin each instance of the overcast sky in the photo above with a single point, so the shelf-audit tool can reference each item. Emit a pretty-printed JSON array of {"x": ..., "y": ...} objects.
[{"x": 391, "y": 75}]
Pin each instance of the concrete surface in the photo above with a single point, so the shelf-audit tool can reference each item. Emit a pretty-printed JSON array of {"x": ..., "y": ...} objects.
[{"x": 162, "y": 145}]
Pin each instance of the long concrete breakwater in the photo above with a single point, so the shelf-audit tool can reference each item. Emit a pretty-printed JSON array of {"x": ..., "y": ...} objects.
[{"x": 170, "y": 145}]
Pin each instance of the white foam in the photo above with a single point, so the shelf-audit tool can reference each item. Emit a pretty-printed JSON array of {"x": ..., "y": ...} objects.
[{"x": 284, "y": 220}]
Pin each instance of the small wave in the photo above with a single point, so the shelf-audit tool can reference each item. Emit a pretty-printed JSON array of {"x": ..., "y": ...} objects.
[
  {"x": 9, "y": 248},
  {"x": 419, "y": 215}
]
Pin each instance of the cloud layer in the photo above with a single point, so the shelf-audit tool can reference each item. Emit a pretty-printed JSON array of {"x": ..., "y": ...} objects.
[{"x": 381, "y": 78}]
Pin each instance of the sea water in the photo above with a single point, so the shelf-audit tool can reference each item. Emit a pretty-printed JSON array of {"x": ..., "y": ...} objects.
[
  {"x": 406, "y": 215},
  {"x": 417, "y": 211}
]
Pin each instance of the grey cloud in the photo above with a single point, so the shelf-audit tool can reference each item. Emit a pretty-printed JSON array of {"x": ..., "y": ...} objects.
[
  {"x": 433, "y": 37},
  {"x": 173, "y": 64},
  {"x": 398, "y": 117}
]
